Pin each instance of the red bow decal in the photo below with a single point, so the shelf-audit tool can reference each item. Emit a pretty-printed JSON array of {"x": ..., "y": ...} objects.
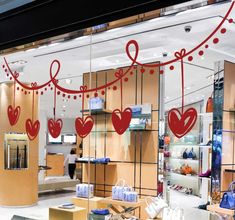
[
  {"x": 33, "y": 85},
  {"x": 121, "y": 120},
  {"x": 84, "y": 126},
  {"x": 13, "y": 114},
  {"x": 181, "y": 123},
  {"x": 83, "y": 88},
  {"x": 119, "y": 73},
  {"x": 54, "y": 127},
  {"x": 181, "y": 54},
  {"x": 32, "y": 128}
]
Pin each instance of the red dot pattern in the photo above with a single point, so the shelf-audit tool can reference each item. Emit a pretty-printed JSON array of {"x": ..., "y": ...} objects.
[
  {"x": 200, "y": 53},
  {"x": 223, "y": 31},
  {"x": 58, "y": 93},
  {"x": 151, "y": 71},
  {"x": 131, "y": 73},
  {"x": 41, "y": 92},
  {"x": 190, "y": 58},
  {"x": 68, "y": 96},
  {"x": 36, "y": 92},
  {"x": 96, "y": 94},
  {"x": 87, "y": 96},
  {"x": 18, "y": 88},
  {"x": 80, "y": 95},
  {"x": 206, "y": 46},
  {"x": 102, "y": 92},
  {"x": 161, "y": 71},
  {"x": 25, "y": 92},
  {"x": 230, "y": 20},
  {"x": 216, "y": 40},
  {"x": 114, "y": 87},
  {"x": 63, "y": 95},
  {"x": 126, "y": 79},
  {"x": 172, "y": 67},
  {"x": 74, "y": 97}
]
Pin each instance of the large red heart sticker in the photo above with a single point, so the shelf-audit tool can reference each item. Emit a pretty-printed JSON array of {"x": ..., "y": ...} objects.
[
  {"x": 181, "y": 123},
  {"x": 54, "y": 127},
  {"x": 13, "y": 114},
  {"x": 84, "y": 126},
  {"x": 32, "y": 128},
  {"x": 121, "y": 120}
]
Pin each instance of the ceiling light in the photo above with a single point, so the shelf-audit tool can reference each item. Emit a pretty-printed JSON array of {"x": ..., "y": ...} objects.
[
  {"x": 64, "y": 106},
  {"x": 52, "y": 45},
  {"x": 62, "y": 114},
  {"x": 68, "y": 81},
  {"x": 114, "y": 29},
  {"x": 65, "y": 100},
  {"x": 44, "y": 46},
  {"x": 117, "y": 61},
  {"x": 29, "y": 50},
  {"x": 202, "y": 58}
]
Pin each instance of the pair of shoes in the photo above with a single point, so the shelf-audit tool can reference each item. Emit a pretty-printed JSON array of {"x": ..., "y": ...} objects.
[
  {"x": 206, "y": 174},
  {"x": 204, "y": 206}
]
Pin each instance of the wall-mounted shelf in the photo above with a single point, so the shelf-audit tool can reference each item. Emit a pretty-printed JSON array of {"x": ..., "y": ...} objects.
[
  {"x": 95, "y": 163},
  {"x": 96, "y": 111},
  {"x": 141, "y": 116},
  {"x": 182, "y": 159},
  {"x": 188, "y": 176},
  {"x": 229, "y": 170}
]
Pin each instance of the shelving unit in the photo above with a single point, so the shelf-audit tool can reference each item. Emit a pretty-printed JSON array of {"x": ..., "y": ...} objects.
[
  {"x": 95, "y": 111},
  {"x": 135, "y": 153}
]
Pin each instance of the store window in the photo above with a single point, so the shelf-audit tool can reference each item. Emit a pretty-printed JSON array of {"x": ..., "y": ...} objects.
[{"x": 135, "y": 116}]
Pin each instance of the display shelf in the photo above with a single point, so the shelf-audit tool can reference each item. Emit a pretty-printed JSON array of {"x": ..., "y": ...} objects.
[
  {"x": 110, "y": 201},
  {"x": 229, "y": 170},
  {"x": 96, "y": 111},
  {"x": 148, "y": 116},
  {"x": 217, "y": 209},
  {"x": 187, "y": 176},
  {"x": 182, "y": 159},
  {"x": 95, "y": 163}
]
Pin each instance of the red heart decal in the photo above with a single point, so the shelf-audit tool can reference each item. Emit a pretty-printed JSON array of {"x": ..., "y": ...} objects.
[
  {"x": 54, "y": 127},
  {"x": 84, "y": 126},
  {"x": 180, "y": 124},
  {"x": 121, "y": 120},
  {"x": 32, "y": 128},
  {"x": 13, "y": 114}
]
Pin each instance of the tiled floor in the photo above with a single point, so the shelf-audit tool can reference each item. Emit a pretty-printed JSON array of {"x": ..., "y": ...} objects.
[{"x": 40, "y": 211}]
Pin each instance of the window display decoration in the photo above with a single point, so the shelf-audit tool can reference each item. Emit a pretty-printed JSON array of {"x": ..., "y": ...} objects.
[
  {"x": 179, "y": 122},
  {"x": 83, "y": 125},
  {"x": 13, "y": 112},
  {"x": 182, "y": 122},
  {"x": 32, "y": 127},
  {"x": 121, "y": 118},
  {"x": 54, "y": 126}
]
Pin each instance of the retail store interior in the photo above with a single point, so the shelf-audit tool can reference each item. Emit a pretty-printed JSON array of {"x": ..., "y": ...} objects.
[{"x": 151, "y": 160}]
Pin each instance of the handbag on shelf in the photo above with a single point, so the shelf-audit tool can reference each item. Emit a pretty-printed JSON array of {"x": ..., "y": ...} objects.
[
  {"x": 119, "y": 189},
  {"x": 96, "y": 103},
  {"x": 228, "y": 199},
  {"x": 154, "y": 206},
  {"x": 85, "y": 190},
  {"x": 185, "y": 154},
  {"x": 192, "y": 154},
  {"x": 209, "y": 104}
]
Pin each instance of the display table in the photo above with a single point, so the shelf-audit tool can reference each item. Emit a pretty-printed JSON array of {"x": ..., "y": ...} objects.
[
  {"x": 121, "y": 207},
  {"x": 94, "y": 203},
  {"x": 56, "y": 213},
  {"x": 217, "y": 209}
]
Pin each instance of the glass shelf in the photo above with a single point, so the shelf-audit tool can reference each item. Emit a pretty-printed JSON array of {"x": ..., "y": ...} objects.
[
  {"x": 187, "y": 160},
  {"x": 96, "y": 111}
]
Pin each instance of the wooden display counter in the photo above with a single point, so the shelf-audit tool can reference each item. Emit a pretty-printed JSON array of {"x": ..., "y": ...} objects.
[
  {"x": 77, "y": 213},
  {"x": 94, "y": 203},
  {"x": 217, "y": 209}
]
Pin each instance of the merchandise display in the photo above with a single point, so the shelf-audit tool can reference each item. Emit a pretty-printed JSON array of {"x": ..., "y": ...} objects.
[{"x": 84, "y": 190}]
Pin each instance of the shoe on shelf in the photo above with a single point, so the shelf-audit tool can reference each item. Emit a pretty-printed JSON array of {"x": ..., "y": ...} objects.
[
  {"x": 204, "y": 206},
  {"x": 206, "y": 174}
]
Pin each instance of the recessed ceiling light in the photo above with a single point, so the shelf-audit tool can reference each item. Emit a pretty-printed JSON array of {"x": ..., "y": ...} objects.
[
  {"x": 62, "y": 114},
  {"x": 29, "y": 50},
  {"x": 52, "y": 45},
  {"x": 117, "y": 61},
  {"x": 68, "y": 81},
  {"x": 64, "y": 106}
]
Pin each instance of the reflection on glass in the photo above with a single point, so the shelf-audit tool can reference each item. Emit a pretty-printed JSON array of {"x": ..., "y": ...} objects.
[{"x": 16, "y": 151}]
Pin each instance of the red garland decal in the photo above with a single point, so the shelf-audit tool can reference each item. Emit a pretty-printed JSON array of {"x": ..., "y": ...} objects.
[
  {"x": 54, "y": 126},
  {"x": 182, "y": 122},
  {"x": 83, "y": 126},
  {"x": 13, "y": 112},
  {"x": 179, "y": 122},
  {"x": 121, "y": 119}
]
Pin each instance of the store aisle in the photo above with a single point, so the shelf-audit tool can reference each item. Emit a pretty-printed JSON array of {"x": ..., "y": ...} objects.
[
  {"x": 40, "y": 211},
  {"x": 189, "y": 203}
]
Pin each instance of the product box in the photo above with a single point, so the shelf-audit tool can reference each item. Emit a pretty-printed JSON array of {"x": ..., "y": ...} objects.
[{"x": 85, "y": 190}]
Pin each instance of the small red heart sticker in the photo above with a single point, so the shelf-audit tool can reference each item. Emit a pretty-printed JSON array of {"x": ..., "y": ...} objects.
[
  {"x": 13, "y": 114},
  {"x": 54, "y": 127},
  {"x": 121, "y": 120},
  {"x": 84, "y": 126},
  {"x": 181, "y": 123}
]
